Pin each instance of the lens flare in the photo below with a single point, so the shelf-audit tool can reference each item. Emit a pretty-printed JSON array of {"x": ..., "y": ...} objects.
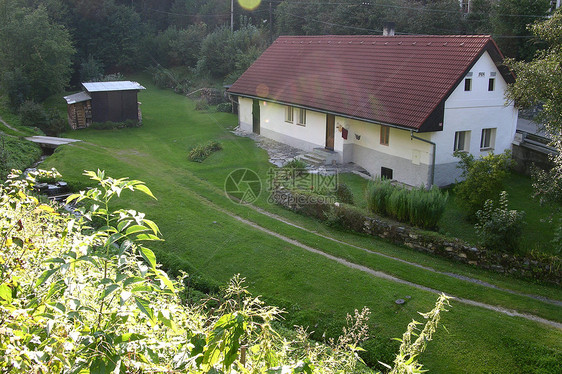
[
  {"x": 249, "y": 4},
  {"x": 262, "y": 90}
]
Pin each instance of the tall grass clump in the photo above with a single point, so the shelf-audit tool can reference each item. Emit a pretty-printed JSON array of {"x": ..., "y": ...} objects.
[
  {"x": 378, "y": 193},
  {"x": 426, "y": 206},
  {"x": 418, "y": 207},
  {"x": 398, "y": 205}
]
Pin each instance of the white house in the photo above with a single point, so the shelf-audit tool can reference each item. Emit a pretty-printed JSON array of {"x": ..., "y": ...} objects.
[{"x": 399, "y": 106}]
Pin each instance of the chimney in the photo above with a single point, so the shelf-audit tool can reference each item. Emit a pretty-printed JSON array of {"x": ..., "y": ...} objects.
[{"x": 388, "y": 29}]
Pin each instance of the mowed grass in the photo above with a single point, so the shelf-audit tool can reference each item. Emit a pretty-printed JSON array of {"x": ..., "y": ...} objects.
[{"x": 201, "y": 238}]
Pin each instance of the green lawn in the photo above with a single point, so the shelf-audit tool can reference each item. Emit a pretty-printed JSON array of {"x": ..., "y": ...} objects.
[{"x": 201, "y": 238}]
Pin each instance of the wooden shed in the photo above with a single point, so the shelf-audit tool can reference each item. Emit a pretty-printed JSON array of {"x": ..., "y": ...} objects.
[{"x": 104, "y": 101}]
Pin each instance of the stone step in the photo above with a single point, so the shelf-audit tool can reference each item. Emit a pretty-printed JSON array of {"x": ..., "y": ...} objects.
[{"x": 313, "y": 159}]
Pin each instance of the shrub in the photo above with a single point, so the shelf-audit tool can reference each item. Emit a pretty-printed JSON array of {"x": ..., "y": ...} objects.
[
  {"x": 499, "y": 228},
  {"x": 224, "y": 107},
  {"x": 426, "y": 207},
  {"x": 33, "y": 114},
  {"x": 200, "y": 152},
  {"x": 345, "y": 216},
  {"x": 378, "y": 192},
  {"x": 201, "y": 104},
  {"x": 344, "y": 194},
  {"x": 483, "y": 178}
]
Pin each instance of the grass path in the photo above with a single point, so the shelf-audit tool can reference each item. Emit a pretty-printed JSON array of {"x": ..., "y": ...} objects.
[{"x": 208, "y": 235}]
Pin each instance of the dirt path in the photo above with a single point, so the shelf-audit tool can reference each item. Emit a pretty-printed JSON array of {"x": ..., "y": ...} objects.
[
  {"x": 380, "y": 274},
  {"x": 8, "y": 126},
  {"x": 448, "y": 274}
]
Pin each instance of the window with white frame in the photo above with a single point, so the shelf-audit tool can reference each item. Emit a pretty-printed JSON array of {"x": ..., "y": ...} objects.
[
  {"x": 289, "y": 114},
  {"x": 462, "y": 141},
  {"x": 302, "y": 117},
  {"x": 488, "y": 139}
]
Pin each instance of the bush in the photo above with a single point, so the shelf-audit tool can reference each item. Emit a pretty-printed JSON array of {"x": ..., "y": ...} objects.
[
  {"x": 33, "y": 114},
  {"x": 345, "y": 216},
  {"x": 483, "y": 178},
  {"x": 378, "y": 192},
  {"x": 224, "y": 107},
  {"x": 344, "y": 194},
  {"x": 499, "y": 228},
  {"x": 200, "y": 152},
  {"x": 201, "y": 104}
]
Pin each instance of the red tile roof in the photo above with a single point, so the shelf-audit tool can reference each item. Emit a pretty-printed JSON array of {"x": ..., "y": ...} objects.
[{"x": 396, "y": 80}]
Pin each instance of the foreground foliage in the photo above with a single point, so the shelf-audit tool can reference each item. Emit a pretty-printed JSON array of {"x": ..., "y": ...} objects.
[{"x": 81, "y": 293}]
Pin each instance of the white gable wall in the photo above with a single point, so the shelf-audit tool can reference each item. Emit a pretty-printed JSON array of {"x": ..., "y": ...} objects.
[{"x": 474, "y": 111}]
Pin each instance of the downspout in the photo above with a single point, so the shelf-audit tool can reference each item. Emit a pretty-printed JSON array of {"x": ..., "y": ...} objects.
[{"x": 412, "y": 136}]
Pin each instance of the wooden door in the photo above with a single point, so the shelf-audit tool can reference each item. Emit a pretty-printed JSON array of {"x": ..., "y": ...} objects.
[
  {"x": 256, "y": 116},
  {"x": 330, "y": 130}
]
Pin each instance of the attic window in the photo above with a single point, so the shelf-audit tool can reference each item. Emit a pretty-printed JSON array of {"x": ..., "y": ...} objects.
[
  {"x": 468, "y": 84},
  {"x": 491, "y": 84}
]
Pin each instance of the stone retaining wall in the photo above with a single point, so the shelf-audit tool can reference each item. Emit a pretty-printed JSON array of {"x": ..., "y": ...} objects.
[{"x": 422, "y": 241}]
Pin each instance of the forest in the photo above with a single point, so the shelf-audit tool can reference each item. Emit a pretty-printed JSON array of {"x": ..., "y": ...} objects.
[{"x": 47, "y": 46}]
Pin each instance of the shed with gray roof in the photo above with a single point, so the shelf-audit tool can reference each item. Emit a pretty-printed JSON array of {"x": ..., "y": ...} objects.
[{"x": 104, "y": 102}]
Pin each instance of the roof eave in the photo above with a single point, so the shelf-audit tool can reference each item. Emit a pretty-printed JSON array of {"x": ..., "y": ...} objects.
[{"x": 350, "y": 116}]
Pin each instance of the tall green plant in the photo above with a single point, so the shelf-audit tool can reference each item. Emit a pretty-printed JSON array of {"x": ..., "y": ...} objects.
[
  {"x": 398, "y": 204},
  {"x": 498, "y": 227},
  {"x": 426, "y": 207},
  {"x": 378, "y": 191}
]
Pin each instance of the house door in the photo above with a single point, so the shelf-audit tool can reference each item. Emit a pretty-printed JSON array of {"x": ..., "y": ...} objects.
[
  {"x": 256, "y": 116},
  {"x": 330, "y": 130}
]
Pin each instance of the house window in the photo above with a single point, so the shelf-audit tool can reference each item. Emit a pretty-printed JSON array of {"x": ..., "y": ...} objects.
[
  {"x": 385, "y": 135},
  {"x": 302, "y": 117},
  {"x": 488, "y": 139},
  {"x": 468, "y": 84},
  {"x": 289, "y": 114},
  {"x": 491, "y": 84},
  {"x": 462, "y": 141},
  {"x": 386, "y": 173}
]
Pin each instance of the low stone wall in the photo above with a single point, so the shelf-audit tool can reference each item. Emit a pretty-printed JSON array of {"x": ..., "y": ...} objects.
[{"x": 422, "y": 241}]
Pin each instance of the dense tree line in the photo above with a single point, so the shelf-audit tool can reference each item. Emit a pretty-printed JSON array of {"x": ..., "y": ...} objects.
[{"x": 48, "y": 44}]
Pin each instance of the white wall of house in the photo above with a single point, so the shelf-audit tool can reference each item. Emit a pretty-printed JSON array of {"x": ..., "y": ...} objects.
[
  {"x": 471, "y": 112},
  {"x": 245, "y": 114},
  {"x": 307, "y": 136},
  {"x": 409, "y": 159}
]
